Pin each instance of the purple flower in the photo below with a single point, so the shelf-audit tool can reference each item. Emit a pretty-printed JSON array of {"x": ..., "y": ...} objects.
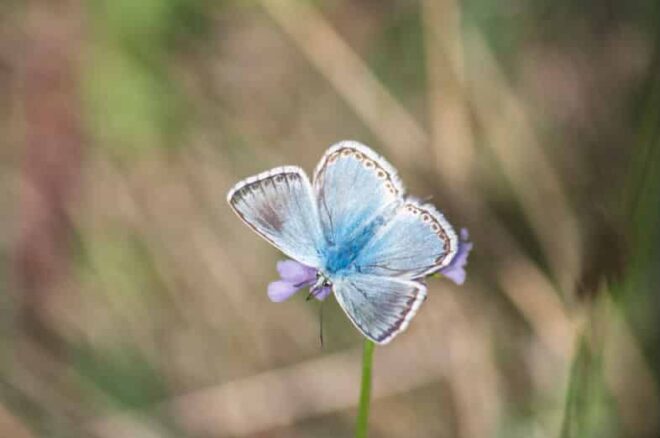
[
  {"x": 295, "y": 276},
  {"x": 455, "y": 271}
]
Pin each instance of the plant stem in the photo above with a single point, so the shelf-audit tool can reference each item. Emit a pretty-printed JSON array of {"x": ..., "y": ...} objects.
[{"x": 362, "y": 425}]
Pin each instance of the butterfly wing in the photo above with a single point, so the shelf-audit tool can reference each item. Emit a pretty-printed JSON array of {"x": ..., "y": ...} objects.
[
  {"x": 279, "y": 205},
  {"x": 383, "y": 241},
  {"x": 415, "y": 242},
  {"x": 356, "y": 191},
  {"x": 380, "y": 307}
]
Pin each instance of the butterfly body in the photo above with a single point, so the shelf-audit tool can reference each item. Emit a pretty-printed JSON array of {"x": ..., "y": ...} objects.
[
  {"x": 339, "y": 257},
  {"x": 355, "y": 226}
]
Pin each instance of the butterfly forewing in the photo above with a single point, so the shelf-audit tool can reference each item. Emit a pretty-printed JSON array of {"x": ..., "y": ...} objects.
[
  {"x": 380, "y": 307},
  {"x": 279, "y": 205},
  {"x": 415, "y": 242},
  {"x": 357, "y": 191}
]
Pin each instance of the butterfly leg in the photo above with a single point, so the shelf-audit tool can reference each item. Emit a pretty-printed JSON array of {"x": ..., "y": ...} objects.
[{"x": 319, "y": 289}]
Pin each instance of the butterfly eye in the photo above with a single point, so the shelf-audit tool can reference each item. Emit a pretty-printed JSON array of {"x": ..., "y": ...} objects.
[{"x": 326, "y": 283}]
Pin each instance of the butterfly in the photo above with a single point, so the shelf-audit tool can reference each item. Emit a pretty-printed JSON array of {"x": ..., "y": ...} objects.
[{"x": 370, "y": 243}]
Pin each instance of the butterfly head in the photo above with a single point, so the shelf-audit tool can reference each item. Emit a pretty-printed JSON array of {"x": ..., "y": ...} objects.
[{"x": 321, "y": 282}]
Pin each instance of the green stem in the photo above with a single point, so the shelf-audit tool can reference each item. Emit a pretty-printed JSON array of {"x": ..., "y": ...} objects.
[{"x": 362, "y": 426}]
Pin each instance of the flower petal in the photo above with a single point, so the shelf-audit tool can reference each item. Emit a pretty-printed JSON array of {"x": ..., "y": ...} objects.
[
  {"x": 280, "y": 290},
  {"x": 455, "y": 271},
  {"x": 323, "y": 293},
  {"x": 465, "y": 235},
  {"x": 296, "y": 273}
]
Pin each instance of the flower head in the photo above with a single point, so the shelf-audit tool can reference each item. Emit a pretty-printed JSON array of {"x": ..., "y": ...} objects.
[
  {"x": 295, "y": 276},
  {"x": 455, "y": 271}
]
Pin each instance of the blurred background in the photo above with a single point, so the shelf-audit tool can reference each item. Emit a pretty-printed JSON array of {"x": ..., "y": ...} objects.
[{"x": 133, "y": 302}]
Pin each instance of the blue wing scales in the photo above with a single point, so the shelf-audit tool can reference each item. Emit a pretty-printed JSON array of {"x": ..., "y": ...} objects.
[
  {"x": 279, "y": 205},
  {"x": 357, "y": 192},
  {"x": 380, "y": 307},
  {"x": 415, "y": 242}
]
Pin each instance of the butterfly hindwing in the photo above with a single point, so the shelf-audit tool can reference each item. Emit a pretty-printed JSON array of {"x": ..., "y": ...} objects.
[
  {"x": 415, "y": 242},
  {"x": 357, "y": 191},
  {"x": 279, "y": 205},
  {"x": 380, "y": 307}
]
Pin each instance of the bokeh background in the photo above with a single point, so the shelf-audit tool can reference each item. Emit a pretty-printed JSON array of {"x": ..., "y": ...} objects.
[{"x": 133, "y": 302}]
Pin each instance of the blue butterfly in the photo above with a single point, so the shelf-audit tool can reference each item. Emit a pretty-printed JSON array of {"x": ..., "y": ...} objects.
[{"x": 369, "y": 242}]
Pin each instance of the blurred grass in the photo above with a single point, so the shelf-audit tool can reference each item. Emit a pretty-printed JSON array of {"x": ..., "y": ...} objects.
[
  {"x": 638, "y": 292},
  {"x": 163, "y": 310},
  {"x": 590, "y": 409},
  {"x": 397, "y": 55},
  {"x": 126, "y": 378},
  {"x": 133, "y": 102}
]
